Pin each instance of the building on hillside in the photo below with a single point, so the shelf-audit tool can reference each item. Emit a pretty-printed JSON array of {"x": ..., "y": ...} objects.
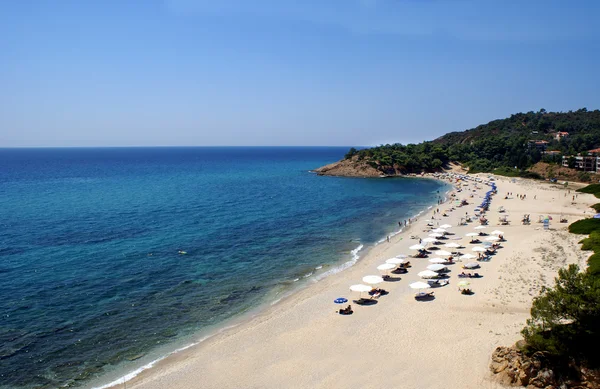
[
  {"x": 538, "y": 144},
  {"x": 588, "y": 163},
  {"x": 594, "y": 152},
  {"x": 552, "y": 152},
  {"x": 561, "y": 134}
]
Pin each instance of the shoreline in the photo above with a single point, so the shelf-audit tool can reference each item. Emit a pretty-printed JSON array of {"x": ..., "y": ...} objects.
[
  {"x": 290, "y": 337},
  {"x": 243, "y": 318}
]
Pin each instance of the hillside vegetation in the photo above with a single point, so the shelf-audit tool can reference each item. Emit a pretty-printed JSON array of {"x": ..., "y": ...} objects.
[{"x": 500, "y": 144}]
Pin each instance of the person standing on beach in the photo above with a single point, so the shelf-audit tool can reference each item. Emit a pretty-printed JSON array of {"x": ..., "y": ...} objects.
[{"x": 388, "y": 239}]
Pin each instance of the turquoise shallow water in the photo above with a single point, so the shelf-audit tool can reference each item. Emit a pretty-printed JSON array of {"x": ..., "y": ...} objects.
[{"x": 90, "y": 271}]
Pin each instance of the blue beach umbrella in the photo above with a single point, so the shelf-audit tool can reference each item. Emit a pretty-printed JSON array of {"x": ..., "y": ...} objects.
[{"x": 340, "y": 300}]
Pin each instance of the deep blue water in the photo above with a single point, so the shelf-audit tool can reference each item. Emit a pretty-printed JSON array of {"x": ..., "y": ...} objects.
[{"x": 90, "y": 274}]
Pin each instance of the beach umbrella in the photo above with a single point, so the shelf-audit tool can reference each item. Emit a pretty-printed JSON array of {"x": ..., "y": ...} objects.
[
  {"x": 463, "y": 283},
  {"x": 419, "y": 285},
  {"x": 492, "y": 238},
  {"x": 340, "y": 300},
  {"x": 360, "y": 288},
  {"x": 401, "y": 256},
  {"x": 478, "y": 248},
  {"x": 436, "y": 235},
  {"x": 436, "y": 267},
  {"x": 429, "y": 240},
  {"x": 438, "y": 230},
  {"x": 372, "y": 279},
  {"x": 452, "y": 245},
  {"x": 497, "y": 232},
  {"x": 427, "y": 274},
  {"x": 472, "y": 234},
  {"x": 480, "y": 227},
  {"x": 438, "y": 260},
  {"x": 443, "y": 252},
  {"x": 471, "y": 265},
  {"x": 386, "y": 266},
  {"x": 396, "y": 261},
  {"x": 445, "y": 226},
  {"x": 467, "y": 256},
  {"x": 417, "y": 247}
]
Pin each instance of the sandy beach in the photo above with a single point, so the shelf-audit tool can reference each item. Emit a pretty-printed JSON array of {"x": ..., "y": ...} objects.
[{"x": 399, "y": 342}]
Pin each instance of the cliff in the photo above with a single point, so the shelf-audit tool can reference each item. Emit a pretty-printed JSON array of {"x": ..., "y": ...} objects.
[{"x": 349, "y": 168}]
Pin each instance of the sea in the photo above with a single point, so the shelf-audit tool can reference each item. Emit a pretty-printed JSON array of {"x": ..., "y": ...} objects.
[{"x": 112, "y": 258}]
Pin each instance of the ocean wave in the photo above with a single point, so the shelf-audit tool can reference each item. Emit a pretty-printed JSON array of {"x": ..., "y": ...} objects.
[{"x": 354, "y": 258}]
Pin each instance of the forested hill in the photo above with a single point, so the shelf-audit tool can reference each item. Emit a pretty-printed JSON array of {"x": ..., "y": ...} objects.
[{"x": 499, "y": 144}]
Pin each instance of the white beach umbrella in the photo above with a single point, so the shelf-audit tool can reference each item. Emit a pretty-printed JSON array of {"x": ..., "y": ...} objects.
[
  {"x": 386, "y": 266},
  {"x": 497, "y": 232},
  {"x": 396, "y": 261},
  {"x": 438, "y": 230},
  {"x": 427, "y": 274},
  {"x": 492, "y": 238},
  {"x": 417, "y": 247},
  {"x": 445, "y": 226},
  {"x": 443, "y": 252},
  {"x": 429, "y": 240},
  {"x": 401, "y": 256},
  {"x": 478, "y": 249},
  {"x": 463, "y": 283},
  {"x": 452, "y": 245},
  {"x": 436, "y": 267},
  {"x": 471, "y": 265},
  {"x": 360, "y": 288},
  {"x": 372, "y": 279},
  {"x": 420, "y": 285},
  {"x": 472, "y": 234},
  {"x": 436, "y": 235},
  {"x": 438, "y": 260},
  {"x": 467, "y": 256},
  {"x": 480, "y": 227}
]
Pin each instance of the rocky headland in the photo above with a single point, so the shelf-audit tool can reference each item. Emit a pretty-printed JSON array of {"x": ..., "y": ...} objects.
[{"x": 512, "y": 367}]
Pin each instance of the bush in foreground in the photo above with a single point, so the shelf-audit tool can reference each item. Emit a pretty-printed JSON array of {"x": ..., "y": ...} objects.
[
  {"x": 592, "y": 189},
  {"x": 565, "y": 319},
  {"x": 585, "y": 226}
]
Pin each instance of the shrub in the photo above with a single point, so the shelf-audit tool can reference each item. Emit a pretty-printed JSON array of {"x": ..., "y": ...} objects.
[
  {"x": 591, "y": 189},
  {"x": 564, "y": 319},
  {"x": 528, "y": 174},
  {"x": 585, "y": 226}
]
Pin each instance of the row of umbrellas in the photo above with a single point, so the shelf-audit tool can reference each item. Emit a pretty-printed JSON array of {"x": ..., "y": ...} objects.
[{"x": 437, "y": 263}]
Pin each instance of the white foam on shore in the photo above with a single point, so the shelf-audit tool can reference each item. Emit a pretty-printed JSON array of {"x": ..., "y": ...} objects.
[
  {"x": 135, "y": 373},
  {"x": 353, "y": 259}
]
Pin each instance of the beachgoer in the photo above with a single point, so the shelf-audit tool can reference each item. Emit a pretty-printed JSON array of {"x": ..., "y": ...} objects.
[{"x": 388, "y": 239}]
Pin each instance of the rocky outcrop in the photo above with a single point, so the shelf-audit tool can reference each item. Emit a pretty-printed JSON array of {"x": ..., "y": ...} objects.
[
  {"x": 349, "y": 168},
  {"x": 513, "y": 368}
]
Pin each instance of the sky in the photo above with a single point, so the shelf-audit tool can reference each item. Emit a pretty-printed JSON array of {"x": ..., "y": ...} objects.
[{"x": 286, "y": 72}]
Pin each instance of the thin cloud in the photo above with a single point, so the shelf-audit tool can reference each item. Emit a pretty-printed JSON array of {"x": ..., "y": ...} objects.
[{"x": 473, "y": 20}]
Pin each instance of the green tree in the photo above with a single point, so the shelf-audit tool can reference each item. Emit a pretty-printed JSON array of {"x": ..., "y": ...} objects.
[
  {"x": 351, "y": 153},
  {"x": 565, "y": 319}
]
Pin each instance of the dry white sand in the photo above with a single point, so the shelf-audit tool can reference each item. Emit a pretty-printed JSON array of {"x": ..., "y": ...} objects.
[{"x": 399, "y": 342}]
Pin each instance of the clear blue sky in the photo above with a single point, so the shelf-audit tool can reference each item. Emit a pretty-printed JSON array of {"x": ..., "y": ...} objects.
[{"x": 283, "y": 72}]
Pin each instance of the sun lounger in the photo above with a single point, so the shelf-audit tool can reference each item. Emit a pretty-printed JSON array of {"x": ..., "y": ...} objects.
[{"x": 423, "y": 295}]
